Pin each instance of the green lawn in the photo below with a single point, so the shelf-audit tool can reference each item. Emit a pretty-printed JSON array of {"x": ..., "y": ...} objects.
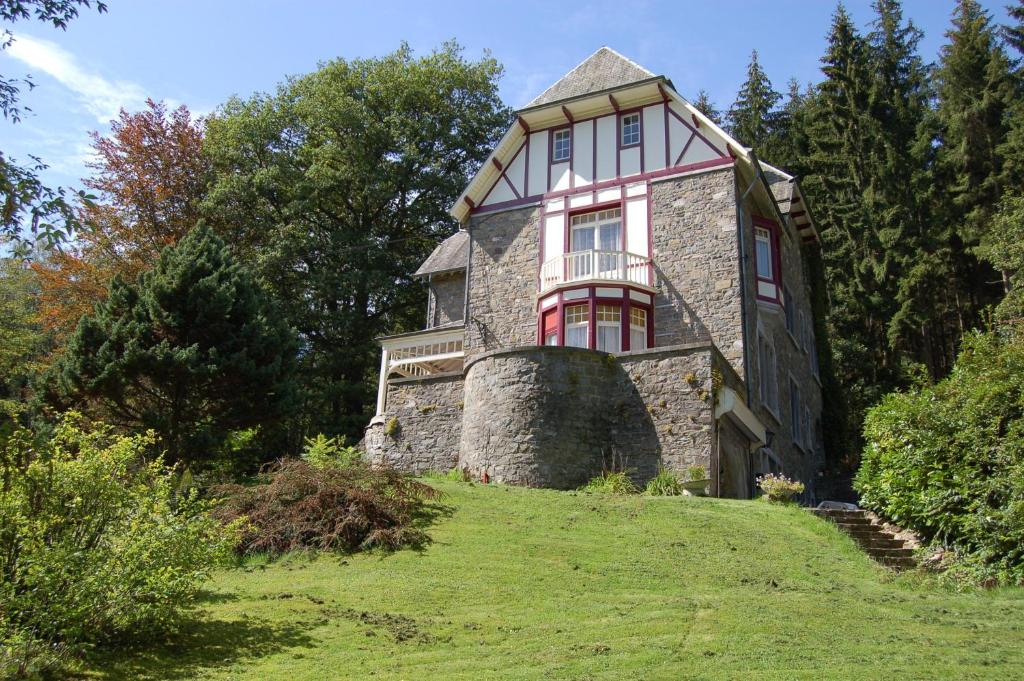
[{"x": 527, "y": 584}]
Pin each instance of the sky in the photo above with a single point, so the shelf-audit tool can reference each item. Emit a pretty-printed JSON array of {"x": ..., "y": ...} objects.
[{"x": 200, "y": 52}]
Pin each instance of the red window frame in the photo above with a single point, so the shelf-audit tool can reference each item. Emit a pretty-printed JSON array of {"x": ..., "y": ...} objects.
[
  {"x": 776, "y": 256},
  {"x": 545, "y": 324}
]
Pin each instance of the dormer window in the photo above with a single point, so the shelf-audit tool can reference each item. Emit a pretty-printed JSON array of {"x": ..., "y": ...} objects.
[
  {"x": 561, "y": 147},
  {"x": 630, "y": 129}
]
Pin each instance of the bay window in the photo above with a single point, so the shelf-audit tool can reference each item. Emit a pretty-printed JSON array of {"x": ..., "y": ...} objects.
[
  {"x": 577, "y": 326},
  {"x": 609, "y": 328},
  {"x": 637, "y": 328}
]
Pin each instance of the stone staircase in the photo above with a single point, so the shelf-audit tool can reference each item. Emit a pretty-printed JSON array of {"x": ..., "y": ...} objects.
[{"x": 877, "y": 541}]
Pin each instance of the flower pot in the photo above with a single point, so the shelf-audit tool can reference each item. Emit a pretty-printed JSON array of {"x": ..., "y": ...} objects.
[{"x": 696, "y": 488}]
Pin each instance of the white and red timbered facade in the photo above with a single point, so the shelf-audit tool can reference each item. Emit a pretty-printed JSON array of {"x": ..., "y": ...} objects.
[{"x": 613, "y": 216}]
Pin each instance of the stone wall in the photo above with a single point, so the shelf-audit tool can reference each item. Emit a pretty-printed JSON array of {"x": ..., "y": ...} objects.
[
  {"x": 556, "y": 417},
  {"x": 447, "y": 298},
  {"x": 427, "y": 417},
  {"x": 504, "y": 250},
  {"x": 695, "y": 252}
]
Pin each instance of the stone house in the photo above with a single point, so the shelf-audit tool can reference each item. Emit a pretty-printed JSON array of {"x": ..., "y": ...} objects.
[{"x": 629, "y": 289}]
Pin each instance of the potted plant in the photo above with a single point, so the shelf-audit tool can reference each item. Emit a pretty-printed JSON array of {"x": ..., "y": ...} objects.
[
  {"x": 779, "y": 488},
  {"x": 697, "y": 481}
]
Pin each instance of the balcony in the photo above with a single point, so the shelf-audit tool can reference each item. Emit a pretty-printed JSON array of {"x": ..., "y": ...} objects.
[
  {"x": 419, "y": 354},
  {"x": 594, "y": 265}
]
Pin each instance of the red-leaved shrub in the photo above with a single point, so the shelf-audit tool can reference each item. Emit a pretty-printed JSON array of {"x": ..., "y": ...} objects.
[{"x": 297, "y": 505}]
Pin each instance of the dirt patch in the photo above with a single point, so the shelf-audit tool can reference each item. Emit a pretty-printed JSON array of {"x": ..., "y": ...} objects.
[{"x": 401, "y": 628}]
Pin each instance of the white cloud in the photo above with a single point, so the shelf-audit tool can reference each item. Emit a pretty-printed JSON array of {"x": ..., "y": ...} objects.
[{"x": 101, "y": 97}]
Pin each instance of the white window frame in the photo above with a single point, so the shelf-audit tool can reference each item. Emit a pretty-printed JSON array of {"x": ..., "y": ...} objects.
[
  {"x": 584, "y": 324},
  {"x": 636, "y": 328},
  {"x": 626, "y": 123},
  {"x": 566, "y": 137},
  {"x": 595, "y": 220},
  {"x": 599, "y": 310},
  {"x": 763, "y": 236}
]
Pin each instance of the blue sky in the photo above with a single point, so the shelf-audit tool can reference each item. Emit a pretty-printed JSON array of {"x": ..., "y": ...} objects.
[{"x": 200, "y": 52}]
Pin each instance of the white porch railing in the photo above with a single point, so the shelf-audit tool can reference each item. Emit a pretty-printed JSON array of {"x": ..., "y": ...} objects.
[
  {"x": 419, "y": 354},
  {"x": 594, "y": 264}
]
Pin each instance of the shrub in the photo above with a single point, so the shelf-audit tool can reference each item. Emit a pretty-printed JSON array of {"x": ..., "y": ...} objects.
[
  {"x": 947, "y": 460},
  {"x": 330, "y": 508},
  {"x": 322, "y": 451},
  {"x": 779, "y": 488},
  {"x": 697, "y": 473},
  {"x": 95, "y": 542},
  {"x": 664, "y": 484},
  {"x": 609, "y": 482}
]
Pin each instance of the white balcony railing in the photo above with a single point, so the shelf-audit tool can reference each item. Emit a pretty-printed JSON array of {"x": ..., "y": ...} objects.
[
  {"x": 419, "y": 354},
  {"x": 593, "y": 264}
]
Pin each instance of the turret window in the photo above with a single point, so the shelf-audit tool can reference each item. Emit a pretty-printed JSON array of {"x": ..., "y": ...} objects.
[
  {"x": 609, "y": 328},
  {"x": 630, "y": 129},
  {"x": 577, "y": 326},
  {"x": 637, "y": 328},
  {"x": 561, "y": 146}
]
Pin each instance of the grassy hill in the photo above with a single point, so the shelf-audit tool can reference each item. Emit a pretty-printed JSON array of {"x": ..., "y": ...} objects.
[{"x": 529, "y": 584}]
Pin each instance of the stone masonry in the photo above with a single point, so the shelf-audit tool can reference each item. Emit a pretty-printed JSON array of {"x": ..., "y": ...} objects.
[
  {"x": 420, "y": 429},
  {"x": 447, "y": 298}
]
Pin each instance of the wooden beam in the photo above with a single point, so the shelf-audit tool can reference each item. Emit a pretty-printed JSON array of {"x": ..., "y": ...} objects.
[
  {"x": 523, "y": 125},
  {"x": 469, "y": 202},
  {"x": 615, "y": 104},
  {"x": 568, "y": 115},
  {"x": 797, "y": 214},
  {"x": 696, "y": 121},
  {"x": 795, "y": 199},
  {"x": 497, "y": 164},
  {"x": 664, "y": 95}
]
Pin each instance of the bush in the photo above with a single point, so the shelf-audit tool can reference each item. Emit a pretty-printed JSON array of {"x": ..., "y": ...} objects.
[
  {"x": 947, "y": 460},
  {"x": 779, "y": 488},
  {"x": 95, "y": 543},
  {"x": 617, "y": 482},
  {"x": 322, "y": 451},
  {"x": 664, "y": 484},
  {"x": 327, "y": 507}
]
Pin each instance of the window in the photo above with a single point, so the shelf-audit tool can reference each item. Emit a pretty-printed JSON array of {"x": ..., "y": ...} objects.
[
  {"x": 763, "y": 238},
  {"x": 550, "y": 327},
  {"x": 561, "y": 147},
  {"x": 601, "y": 231},
  {"x": 769, "y": 379},
  {"x": 630, "y": 129},
  {"x": 609, "y": 328},
  {"x": 795, "y": 413},
  {"x": 766, "y": 254},
  {"x": 790, "y": 304},
  {"x": 808, "y": 433},
  {"x": 577, "y": 326},
  {"x": 637, "y": 328}
]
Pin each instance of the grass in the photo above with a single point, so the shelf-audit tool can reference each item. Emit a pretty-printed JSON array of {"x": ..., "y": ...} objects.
[{"x": 528, "y": 584}]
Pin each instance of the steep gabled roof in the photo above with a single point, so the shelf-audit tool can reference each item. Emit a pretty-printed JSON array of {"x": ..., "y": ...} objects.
[
  {"x": 451, "y": 255},
  {"x": 604, "y": 70}
]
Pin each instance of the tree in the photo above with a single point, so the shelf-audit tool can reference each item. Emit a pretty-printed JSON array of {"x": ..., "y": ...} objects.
[
  {"x": 751, "y": 116},
  {"x": 22, "y": 195},
  {"x": 336, "y": 188},
  {"x": 150, "y": 177},
  {"x": 1015, "y": 33},
  {"x": 704, "y": 104},
  {"x": 22, "y": 341},
  {"x": 1005, "y": 250},
  {"x": 194, "y": 351}
]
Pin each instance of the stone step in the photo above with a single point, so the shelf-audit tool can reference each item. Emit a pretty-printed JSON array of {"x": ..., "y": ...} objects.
[
  {"x": 854, "y": 524},
  {"x": 898, "y": 563},
  {"x": 836, "y": 514},
  {"x": 870, "y": 532},
  {"x": 867, "y": 542},
  {"x": 890, "y": 553}
]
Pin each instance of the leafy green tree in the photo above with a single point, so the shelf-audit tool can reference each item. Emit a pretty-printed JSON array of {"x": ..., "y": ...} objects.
[
  {"x": 752, "y": 115},
  {"x": 1005, "y": 250},
  {"x": 23, "y": 197},
  {"x": 336, "y": 188},
  {"x": 193, "y": 352},
  {"x": 22, "y": 341}
]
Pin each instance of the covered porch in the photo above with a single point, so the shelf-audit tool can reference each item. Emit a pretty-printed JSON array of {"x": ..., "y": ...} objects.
[{"x": 418, "y": 354}]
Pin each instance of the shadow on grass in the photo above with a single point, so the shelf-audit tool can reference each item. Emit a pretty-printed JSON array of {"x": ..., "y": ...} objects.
[{"x": 200, "y": 645}]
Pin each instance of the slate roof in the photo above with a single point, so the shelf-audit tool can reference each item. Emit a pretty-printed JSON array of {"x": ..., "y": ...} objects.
[
  {"x": 781, "y": 186},
  {"x": 603, "y": 70},
  {"x": 451, "y": 255}
]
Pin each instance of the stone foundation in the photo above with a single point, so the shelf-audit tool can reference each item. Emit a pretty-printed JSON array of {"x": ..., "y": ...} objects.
[{"x": 420, "y": 429}]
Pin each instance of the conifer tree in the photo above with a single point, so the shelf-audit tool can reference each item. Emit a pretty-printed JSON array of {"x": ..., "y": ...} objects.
[
  {"x": 193, "y": 351},
  {"x": 707, "y": 107},
  {"x": 752, "y": 114},
  {"x": 1015, "y": 32}
]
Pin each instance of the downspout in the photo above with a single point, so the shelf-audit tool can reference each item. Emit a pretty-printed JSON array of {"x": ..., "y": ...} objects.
[
  {"x": 465, "y": 294},
  {"x": 743, "y": 298}
]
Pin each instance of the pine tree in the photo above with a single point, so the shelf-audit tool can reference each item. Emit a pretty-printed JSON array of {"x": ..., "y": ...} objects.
[
  {"x": 751, "y": 116},
  {"x": 707, "y": 107},
  {"x": 1015, "y": 33},
  {"x": 193, "y": 352}
]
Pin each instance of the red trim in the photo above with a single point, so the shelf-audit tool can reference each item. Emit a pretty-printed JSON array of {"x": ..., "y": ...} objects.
[
  {"x": 547, "y": 186},
  {"x": 696, "y": 121},
  {"x": 497, "y": 164},
  {"x": 526, "y": 169},
  {"x": 664, "y": 95},
  {"x": 675, "y": 170},
  {"x": 686, "y": 146},
  {"x": 614, "y": 103},
  {"x": 668, "y": 142},
  {"x": 696, "y": 132},
  {"x": 568, "y": 115},
  {"x": 523, "y": 125},
  {"x": 625, "y": 227},
  {"x": 776, "y": 278},
  {"x": 469, "y": 202},
  {"x": 592, "y": 301}
]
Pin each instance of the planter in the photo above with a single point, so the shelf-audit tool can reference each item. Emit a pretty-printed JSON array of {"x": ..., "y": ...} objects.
[{"x": 696, "y": 488}]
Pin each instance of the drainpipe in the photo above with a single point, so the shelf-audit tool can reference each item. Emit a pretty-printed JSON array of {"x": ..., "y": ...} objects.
[
  {"x": 743, "y": 279},
  {"x": 465, "y": 293}
]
